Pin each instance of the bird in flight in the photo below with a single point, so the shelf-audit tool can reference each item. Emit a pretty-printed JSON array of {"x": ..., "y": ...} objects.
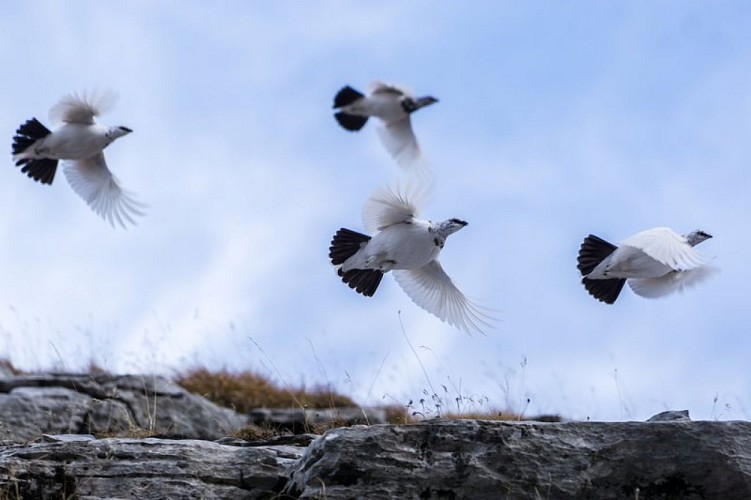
[
  {"x": 655, "y": 262},
  {"x": 409, "y": 248},
  {"x": 78, "y": 141},
  {"x": 394, "y": 106}
]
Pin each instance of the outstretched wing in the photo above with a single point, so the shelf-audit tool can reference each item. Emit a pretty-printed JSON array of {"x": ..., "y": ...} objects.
[
  {"x": 432, "y": 289},
  {"x": 675, "y": 281},
  {"x": 386, "y": 88},
  {"x": 393, "y": 205},
  {"x": 400, "y": 142},
  {"x": 667, "y": 247},
  {"x": 94, "y": 182},
  {"x": 82, "y": 108}
]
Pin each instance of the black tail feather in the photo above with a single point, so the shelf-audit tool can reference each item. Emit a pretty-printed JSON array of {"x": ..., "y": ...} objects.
[
  {"x": 41, "y": 169},
  {"x": 364, "y": 281},
  {"x": 351, "y": 122},
  {"x": 345, "y": 244},
  {"x": 593, "y": 251},
  {"x": 606, "y": 291},
  {"x": 347, "y": 95},
  {"x": 27, "y": 134}
]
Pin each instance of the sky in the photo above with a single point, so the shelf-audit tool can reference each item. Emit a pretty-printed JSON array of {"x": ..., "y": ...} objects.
[{"x": 554, "y": 120}]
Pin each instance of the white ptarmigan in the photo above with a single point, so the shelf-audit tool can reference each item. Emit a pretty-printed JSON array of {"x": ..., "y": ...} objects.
[
  {"x": 393, "y": 105},
  {"x": 408, "y": 247},
  {"x": 656, "y": 262},
  {"x": 78, "y": 141}
]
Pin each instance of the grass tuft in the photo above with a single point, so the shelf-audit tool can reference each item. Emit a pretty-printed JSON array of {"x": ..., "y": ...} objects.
[{"x": 244, "y": 391}]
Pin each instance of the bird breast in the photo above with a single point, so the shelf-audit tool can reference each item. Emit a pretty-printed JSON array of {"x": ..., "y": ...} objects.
[
  {"x": 628, "y": 262},
  {"x": 400, "y": 246},
  {"x": 387, "y": 107},
  {"x": 75, "y": 141}
]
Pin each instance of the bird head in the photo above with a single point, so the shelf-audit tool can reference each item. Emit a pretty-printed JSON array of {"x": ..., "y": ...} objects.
[
  {"x": 695, "y": 237},
  {"x": 450, "y": 226},
  {"x": 411, "y": 105},
  {"x": 119, "y": 131},
  {"x": 421, "y": 102}
]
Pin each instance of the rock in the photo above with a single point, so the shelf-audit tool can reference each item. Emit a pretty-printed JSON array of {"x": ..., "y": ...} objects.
[
  {"x": 668, "y": 456},
  {"x": 103, "y": 404},
  {"x": 671, "y": 416},
  {"x": 142, "y": 468},
  {"x": 523, "y": 460},
  {"x": 303, "y": 420}
]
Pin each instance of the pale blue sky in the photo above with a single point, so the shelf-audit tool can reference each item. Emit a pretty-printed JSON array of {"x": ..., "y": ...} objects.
[{"x": 555, "y": 120}]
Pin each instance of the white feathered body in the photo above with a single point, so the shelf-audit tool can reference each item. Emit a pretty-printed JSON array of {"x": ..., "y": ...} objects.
[
  {"x": 399, "y": 246},
  {"x": 629, "y": 262},
  {"x": 78, "y": 141},
  {"x": 409, "y": 247},
  {"x": 649, "y": 254},
  {"x": 384, "y": 105},
  {"x": 654, "y": 263},
  {"x": 71, "y": 141}
]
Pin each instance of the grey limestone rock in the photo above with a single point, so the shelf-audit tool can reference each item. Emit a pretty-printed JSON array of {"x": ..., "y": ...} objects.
[
  {"x": 32, "y": 405},
  {"x": 300, "y": 420},
  {"x": 142, "y": 468},
  {"x": 523, "y": 460}
]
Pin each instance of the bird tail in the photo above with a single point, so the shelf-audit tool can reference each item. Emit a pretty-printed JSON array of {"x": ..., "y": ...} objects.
[
  {"x": 27, "y": 134},
  {"x": 346, "y": 96},
  {"x": 350, "y": 122},
  {"x": 39, "y": 169},
  {"x": 364, "y": 281},
  {"x": 593, "y": 251},
  {"x": 606, "y": 291},
  {"x": 344, "y": 245}
]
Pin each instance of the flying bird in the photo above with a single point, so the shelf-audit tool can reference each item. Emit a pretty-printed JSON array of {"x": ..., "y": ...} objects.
[
  {"x": 393, "y": 105},
  {"x": 78, "y": 141},
  {"x": 409, "y": 247},
  {"x": 655, "y": 262}
]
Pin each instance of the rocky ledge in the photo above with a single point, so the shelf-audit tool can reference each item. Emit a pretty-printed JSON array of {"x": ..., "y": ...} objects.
[{"x": 667, "y": 457}]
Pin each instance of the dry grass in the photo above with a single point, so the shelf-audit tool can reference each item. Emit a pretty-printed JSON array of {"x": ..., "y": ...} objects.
[
  {"x": 247, "y": 390},
  {"x": 500, "y": 415},
  {"x": 7, "y": 365}
]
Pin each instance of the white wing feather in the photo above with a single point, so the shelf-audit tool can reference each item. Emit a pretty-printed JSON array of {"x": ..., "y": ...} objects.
[
  {"x": 675, "y": 281},
  {"x": 400, "y": 142},
  {"x": 82, "y": 108},
  {"x": 386, "y": 88},
  {"x": 432, "y": 289},
  {"x": 667, "y": 247},
  {"x": 93, "y": 181},
  {"x": 393, "y": 205}
]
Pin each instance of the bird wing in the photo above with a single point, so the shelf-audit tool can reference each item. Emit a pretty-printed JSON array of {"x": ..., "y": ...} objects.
[
  {"x": 94, "y": 182},
  {"x": 432, "y": 289},
  {"x": 675, "y": 281},
  {"x": 665, "y": 246},
  {"x": 81, "y": 108},
  {"x": 393, "y": 205},
  {"x": 400, "y": 141},
  {"x": 385, "y": 88}
]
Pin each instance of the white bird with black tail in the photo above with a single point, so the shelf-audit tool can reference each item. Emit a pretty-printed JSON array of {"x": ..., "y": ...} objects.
[
  {"x": 394, "y": 106},
  {"x": 408, "y": 247},
  {"x": 78, "y": 141},
  {"x": 656, "y": 262}
]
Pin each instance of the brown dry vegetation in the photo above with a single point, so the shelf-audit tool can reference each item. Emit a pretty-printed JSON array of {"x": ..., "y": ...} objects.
[{"x": 246, "y": 390}]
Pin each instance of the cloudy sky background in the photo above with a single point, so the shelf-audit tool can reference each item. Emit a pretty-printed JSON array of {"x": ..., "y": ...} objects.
[{"x": 555, "y": 120}]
